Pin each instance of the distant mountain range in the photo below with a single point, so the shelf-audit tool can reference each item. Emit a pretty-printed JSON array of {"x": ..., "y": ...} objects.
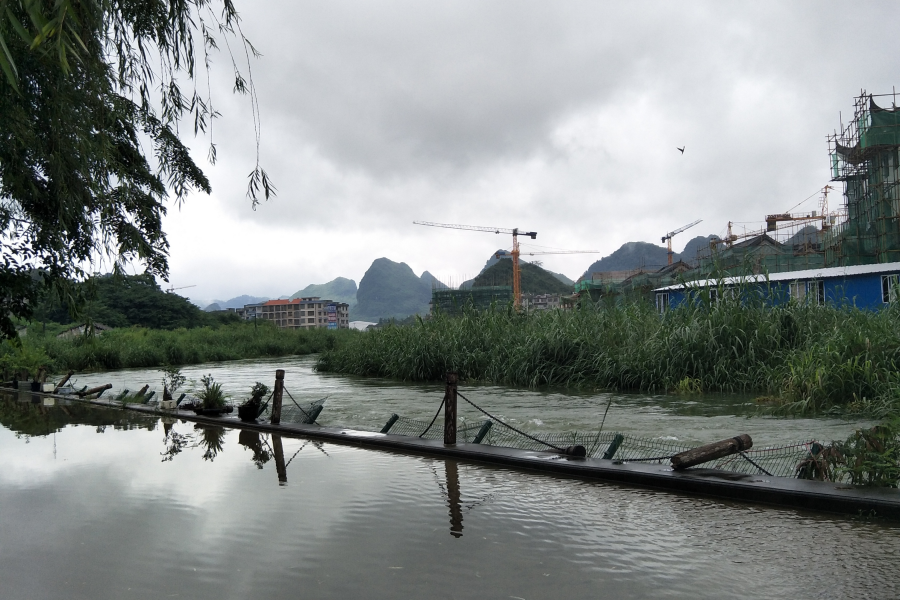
[
  {"x": 392, "y": 290},
  {"x": 632, "y": 255},
  {"x": 236, "y": 302},
  {"x": 493, "y": 260},
  {"x": 340, "y": 289}
]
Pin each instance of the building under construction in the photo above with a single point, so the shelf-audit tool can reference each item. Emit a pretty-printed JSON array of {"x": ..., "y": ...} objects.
[
  {"x": 864, "y": 230},
  {"x": 454, "y": 302}
]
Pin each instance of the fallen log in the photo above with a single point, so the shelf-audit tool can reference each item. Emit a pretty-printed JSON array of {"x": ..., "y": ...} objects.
[
  {"x": 64, "y": 381},
  {"x": 702, "y": 454},
  {"x": 142, "y": 391},
  {"x": 99, "y": 388}
]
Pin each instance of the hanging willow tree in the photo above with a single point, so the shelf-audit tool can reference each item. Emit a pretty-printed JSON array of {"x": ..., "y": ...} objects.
[{"x": 92, "y": 94}]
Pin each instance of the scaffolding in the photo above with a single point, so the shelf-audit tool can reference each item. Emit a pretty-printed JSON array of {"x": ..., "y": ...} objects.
[
  {"x": 864, "y": 157},
  {"x": 454, "y": 302},
  {"x": 865, "y": 229}
]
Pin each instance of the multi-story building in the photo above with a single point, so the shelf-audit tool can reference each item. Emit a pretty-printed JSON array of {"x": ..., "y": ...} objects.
[
  {"x": 301, "y": 313},
  {"x": 533, "y": 302}
]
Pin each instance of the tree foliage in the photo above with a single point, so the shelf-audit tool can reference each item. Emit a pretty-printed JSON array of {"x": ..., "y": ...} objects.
[{"x": 91, "y": 100}]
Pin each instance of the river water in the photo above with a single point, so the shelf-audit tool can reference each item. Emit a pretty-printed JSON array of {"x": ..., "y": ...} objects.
[
  {"x": 367, "y": 403},
  {"x": 107, "y": 504},
  {"x": 101, "y": 503}
]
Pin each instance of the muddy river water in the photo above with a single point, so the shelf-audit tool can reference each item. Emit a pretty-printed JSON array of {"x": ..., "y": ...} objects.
[{"x": 100, "y": 503}]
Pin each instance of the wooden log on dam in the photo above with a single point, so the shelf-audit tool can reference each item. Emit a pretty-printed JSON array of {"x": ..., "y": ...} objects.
[
  {"x": 99, "y": 388},
  {"x": 702, "y": 454}
]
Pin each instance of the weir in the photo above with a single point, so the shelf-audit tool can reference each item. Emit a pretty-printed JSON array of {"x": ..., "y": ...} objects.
[{"x": 743, "y": 487}]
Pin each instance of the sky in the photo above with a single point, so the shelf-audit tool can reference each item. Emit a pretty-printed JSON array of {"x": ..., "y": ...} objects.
[{"x": 557, "y": 117}]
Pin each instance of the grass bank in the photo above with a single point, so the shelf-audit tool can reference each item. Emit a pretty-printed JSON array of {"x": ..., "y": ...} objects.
[
  {"x": 803, "y": 358},
  {"x": 140, "y": 347}
]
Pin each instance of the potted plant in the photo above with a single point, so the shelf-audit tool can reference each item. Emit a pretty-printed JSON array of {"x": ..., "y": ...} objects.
[
  {"x": 212, "y": 398},
  {"x": 252, "y": 408},
  {"x": 172, "y": 380}
]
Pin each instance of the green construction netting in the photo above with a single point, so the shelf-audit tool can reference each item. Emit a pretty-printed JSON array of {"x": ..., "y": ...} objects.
[{"x": 883, "y": 128}]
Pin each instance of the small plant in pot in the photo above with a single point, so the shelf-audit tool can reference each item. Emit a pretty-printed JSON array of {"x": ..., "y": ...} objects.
[
  {"x": 212, "y": 398},
  {"x": 172, "y": 381},
  {"x": 252, "y": 408}
]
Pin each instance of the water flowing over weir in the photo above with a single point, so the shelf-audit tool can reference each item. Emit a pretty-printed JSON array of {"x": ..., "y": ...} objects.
[{"x": 105, "y": 503}]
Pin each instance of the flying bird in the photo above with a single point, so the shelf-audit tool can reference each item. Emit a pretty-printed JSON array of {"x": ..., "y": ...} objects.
[{"x": 680, "y": 149}]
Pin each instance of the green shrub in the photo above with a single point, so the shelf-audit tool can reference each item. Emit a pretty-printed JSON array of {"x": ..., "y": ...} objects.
[{"x": 807, "y": 359}]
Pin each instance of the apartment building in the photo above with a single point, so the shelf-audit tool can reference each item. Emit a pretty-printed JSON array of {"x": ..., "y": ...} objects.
[
  {"x": 301, "y": 313},
  {"x": 532, "y": 302}
]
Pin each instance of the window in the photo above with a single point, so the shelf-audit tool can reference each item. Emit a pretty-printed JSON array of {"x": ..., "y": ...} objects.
[
  {"x": 889, "y": 291},
  {"x": 808, "y": 291},
  {"x": 662, "y": 301},
  {"x": 817, "y": 288}
]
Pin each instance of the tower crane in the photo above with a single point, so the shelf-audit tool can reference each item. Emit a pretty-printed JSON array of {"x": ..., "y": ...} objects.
[
  {"x": 517, "y": 286},
  {"x": 668, "y": 237},
  {"x": 184, "y": 287}
]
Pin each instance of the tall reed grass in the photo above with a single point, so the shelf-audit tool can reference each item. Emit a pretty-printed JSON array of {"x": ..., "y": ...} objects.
[
  {"x": 140, "y": 347},
  {"x": 805, "y": 358}
]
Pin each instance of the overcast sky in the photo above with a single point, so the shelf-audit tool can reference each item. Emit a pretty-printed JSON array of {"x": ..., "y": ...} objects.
[{"x": 558, "y": 117}]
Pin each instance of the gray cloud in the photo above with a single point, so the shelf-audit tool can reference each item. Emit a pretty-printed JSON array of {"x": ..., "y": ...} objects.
[{"x": 561, "y": 115}]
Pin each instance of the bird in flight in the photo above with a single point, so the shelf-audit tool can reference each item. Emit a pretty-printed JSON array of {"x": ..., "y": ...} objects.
[{"x": 680, "y": 149}]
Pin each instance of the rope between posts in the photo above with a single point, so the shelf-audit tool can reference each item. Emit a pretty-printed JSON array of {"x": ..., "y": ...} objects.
[
  {"x": 427, "y": 429},
  {"x": 305, "y": 414},
  {"x": 490, "y": 416},
  {"x": 750, "y": 460}
]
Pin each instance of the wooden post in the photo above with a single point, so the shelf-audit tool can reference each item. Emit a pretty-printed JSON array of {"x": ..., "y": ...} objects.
[
  {"x": 276, "y": 398},
  {"x": 142, "y": 391},
  {"x": 696, "y": 456},
  {"x": 450, "y": 410}
]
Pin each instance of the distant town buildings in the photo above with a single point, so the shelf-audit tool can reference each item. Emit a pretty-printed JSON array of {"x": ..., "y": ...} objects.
[
  {"x": 533, "y": 302},
  {"x": 300, "y": 313}
]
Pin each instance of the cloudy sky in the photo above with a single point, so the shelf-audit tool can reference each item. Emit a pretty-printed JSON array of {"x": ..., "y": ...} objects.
[{"x": 558, "y": 117}]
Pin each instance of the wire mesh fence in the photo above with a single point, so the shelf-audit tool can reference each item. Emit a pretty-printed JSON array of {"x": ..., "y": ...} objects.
[
  {"x": 465, "y": 430},
  {"x": 294, "y": 412},
  {"x": 780, "y": 461}
]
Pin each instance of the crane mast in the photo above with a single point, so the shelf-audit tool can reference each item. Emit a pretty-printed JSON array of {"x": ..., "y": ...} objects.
[{"x": 516, "y": 232}]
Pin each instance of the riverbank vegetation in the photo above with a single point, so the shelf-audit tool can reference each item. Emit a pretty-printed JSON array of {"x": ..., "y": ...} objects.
[
  {"x": 801, "y": 359},
  {"x": 140, "y": 347}
]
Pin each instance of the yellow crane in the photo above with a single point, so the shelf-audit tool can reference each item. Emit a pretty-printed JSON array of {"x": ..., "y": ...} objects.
[
  {"x": 517, "y": 286},
  {"x": 668, "y": 237}
]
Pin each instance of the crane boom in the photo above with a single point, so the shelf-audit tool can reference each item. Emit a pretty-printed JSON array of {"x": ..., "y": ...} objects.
[
  {"x": 531, "y": 234},
  {"x": 517, "y": 287},
  {"x": 503, "y": 253},
  {"x": 668, "y": 237}
]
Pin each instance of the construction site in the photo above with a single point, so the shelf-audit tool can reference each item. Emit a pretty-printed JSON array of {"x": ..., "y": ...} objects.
[{"x": 863, "y": 229}]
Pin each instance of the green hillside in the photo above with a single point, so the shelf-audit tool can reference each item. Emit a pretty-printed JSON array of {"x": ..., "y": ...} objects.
[
  {"x": 535, "y": 280},
  {"x": 340, "y": 289},
  {"x": 390, "y": 289},
  {"x": 132, "y": 300}
]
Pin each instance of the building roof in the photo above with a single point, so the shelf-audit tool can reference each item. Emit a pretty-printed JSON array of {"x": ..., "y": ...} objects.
[
  {"x": 314, "y": 300},
  {"x": 825, "y": 273}
]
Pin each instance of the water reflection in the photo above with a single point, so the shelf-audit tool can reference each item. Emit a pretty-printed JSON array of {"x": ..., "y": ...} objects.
[
  {"x": 251, "y": 440},
  {"x": 278, "y": 451},
  {"x": 453, "y": 498},
  {"x": 212, "y": 439}
]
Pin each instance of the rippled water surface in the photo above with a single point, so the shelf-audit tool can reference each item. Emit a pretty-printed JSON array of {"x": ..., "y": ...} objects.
[
  {"x": 101, "y": 503},
  {"x": 369, "y": 402}
]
